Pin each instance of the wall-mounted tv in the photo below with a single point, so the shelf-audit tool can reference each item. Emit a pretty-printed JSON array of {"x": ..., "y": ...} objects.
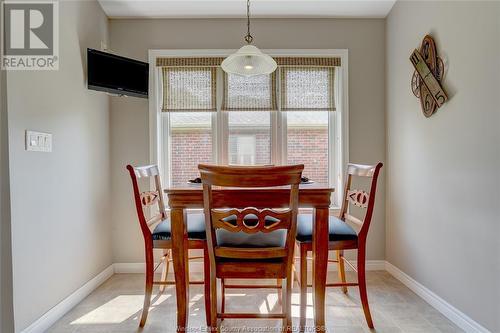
[{"x": 117, "y": 75}]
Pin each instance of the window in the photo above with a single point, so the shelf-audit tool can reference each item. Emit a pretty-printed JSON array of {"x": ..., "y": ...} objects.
[
  {"x": 190, "y": 141},
  {"x": 249, "y": 137},
  {"x": 242, "y": 150},
  {"x": 291, "y": 116},
  {"x": 307, "y": 143}
]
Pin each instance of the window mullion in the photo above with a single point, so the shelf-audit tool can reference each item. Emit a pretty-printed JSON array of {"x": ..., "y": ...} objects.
[
  {"x": 222, "y": 123},
  {"x": 167, "y": 150},
  {"x": 275, "y": 138},
  {"x": 280, "y": 141},
  {"x": 223, "y": 137},
  {"x": 284, "y": 138}
]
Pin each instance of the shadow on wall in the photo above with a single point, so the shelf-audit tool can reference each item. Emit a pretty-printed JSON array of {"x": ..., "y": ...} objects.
[{"x": 6, "y": 305}]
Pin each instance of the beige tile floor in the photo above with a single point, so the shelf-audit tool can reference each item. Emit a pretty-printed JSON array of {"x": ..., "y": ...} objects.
[{"x": 116, "y": 307}]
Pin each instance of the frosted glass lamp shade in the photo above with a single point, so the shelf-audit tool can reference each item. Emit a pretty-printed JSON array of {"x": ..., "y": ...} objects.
[{"x": 249, "y": 61}]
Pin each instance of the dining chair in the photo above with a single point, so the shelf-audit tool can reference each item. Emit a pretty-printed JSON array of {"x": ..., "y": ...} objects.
[
  {"x": 245, "y": 242},
  {"x": 342, "y": 236},
  {"x": 156, "y": 230}
]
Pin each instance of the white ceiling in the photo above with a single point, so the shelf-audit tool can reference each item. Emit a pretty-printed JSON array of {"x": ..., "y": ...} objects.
[{"x": 237, "y": 8}]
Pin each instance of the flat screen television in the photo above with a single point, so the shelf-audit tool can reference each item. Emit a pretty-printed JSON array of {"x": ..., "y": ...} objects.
[{"x": 117, "y": 75}]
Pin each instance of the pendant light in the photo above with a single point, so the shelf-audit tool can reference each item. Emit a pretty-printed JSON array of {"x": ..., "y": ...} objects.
[{"x": 249, "y": 60}]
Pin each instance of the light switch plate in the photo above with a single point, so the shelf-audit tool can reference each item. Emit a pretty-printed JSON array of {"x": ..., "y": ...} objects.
[{"x": 38, "y": 141}]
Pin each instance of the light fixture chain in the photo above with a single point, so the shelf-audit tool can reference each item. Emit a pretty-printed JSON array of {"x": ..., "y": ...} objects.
[{"x": 248, "y": 37}]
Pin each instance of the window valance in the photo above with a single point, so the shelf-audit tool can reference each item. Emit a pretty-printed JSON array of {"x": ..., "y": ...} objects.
[
  {"x": 189, "y": 62},
  {"x": 216, "y": 61}
]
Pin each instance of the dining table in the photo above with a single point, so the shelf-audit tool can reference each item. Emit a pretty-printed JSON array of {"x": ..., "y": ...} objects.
[{"x": 314, "y": 196}]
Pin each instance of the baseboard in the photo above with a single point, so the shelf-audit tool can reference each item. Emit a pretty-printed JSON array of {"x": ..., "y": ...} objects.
[
  {"x": 453, "y": 314},
  {"x": 371, "y": 265},
  {"x": 197, "y": 267},
  {"x": 59, "y": 310}
]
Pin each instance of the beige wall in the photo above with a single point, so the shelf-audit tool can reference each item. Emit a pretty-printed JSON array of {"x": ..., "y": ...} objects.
[
  {"x": 442, "y": 178},
  {"x": 60, "y": 200},
  {"x": 6, "y": 308},
  {"x": 365, "y": 40}
]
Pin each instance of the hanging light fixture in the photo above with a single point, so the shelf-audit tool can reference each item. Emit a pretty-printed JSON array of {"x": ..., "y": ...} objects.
[{"x": 249, "y": 60}]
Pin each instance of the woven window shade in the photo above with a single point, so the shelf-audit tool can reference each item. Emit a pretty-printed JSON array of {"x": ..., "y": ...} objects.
[
  {"x": 308, "y": 61},
  {"x": 189, "y": 62},
  {"x": 189, "y": 89},
  {"x": 249, "y": 93},
  {"x": 306, "y": 83},
  {"x": 307, "y": 88}
]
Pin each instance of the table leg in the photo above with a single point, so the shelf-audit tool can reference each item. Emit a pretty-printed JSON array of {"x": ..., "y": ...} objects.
[
  {"x": 181, "y": 266},
  {"x": 320, "y": 262}
]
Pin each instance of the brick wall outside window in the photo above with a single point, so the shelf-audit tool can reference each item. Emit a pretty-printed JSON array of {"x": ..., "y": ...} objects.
[
  {"x": 307, "y": 145},
  {"x": 189, "y": 148}
]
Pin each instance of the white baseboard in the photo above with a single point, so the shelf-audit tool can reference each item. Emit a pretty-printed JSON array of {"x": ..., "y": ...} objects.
[
  {"x": 197, "y": 267},
  {"x": 371, "y": 265},
  {"x": 60, "y": 309},
  {"x": 453, "y": 314}
]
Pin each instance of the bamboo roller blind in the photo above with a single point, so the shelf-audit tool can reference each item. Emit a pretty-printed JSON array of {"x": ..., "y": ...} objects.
[{"x": 305, "y": 84}]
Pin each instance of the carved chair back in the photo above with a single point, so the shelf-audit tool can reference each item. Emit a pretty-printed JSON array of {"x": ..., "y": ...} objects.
[
  {"x": 268, "y": 219},
  {"x": 360, "y": 198},
  {"x": 146, "y": 200}
]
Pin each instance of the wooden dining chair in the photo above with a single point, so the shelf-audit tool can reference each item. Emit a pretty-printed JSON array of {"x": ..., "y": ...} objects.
[
  {"x": 342, "y": 237},
  {"x": 245, "y": 242},
  {"x": 157, "y": 233}
]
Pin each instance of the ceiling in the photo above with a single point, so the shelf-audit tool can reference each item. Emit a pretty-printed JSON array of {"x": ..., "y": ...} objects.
[{"x": 237, "y": 8}]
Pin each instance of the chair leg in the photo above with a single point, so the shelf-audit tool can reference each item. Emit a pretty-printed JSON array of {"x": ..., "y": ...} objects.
[
  {"x": 166, "y": 267},
  {"x": 303, "y": 287},
  {"x": 287, "y": 295},
  {"x": 223, "y": 296},
  {"x": 282, "y": 295},
  {"x": 206, "y": 280},
  {"x": 340, "y": 256},
  {"x": 279, "y": 284},
  {"x": 295, "y": 275},
  {"x": 214, "y": 326},
  {"x": 149, "y": 285},
  {"x": 362, "y": 285},
  {"x": 292, "y": 268}
]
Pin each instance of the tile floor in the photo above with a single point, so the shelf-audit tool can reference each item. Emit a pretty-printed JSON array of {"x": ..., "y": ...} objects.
[{"x": 116, "y": 306}]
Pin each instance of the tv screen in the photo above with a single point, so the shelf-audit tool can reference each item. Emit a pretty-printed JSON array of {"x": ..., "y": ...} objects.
[{"x": 117, "y": 75}]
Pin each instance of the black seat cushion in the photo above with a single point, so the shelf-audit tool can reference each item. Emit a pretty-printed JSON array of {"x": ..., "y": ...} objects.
[
  {"x": 227, "y": 238},
  {"x": 195, "y": 226},
  {"x": 196, "y": 230},
  {"x": 338, "y": 229}
]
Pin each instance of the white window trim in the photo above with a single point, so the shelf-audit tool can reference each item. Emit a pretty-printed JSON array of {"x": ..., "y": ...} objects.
[{"x": 339, "y": 130}]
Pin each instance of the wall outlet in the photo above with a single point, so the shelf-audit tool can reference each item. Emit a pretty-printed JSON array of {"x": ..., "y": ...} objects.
[{"x": 38, "y": 141}]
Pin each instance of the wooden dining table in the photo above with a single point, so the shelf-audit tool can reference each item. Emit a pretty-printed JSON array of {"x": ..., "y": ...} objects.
[{"x": 315, "y": 196}]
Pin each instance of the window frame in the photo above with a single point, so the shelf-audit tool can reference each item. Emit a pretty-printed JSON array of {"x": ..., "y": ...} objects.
[{"x": 338, "y": 125}]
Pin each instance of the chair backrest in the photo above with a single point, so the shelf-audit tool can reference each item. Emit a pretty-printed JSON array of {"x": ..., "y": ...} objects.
[
  {"x": 145, "y": 200},
  {"x": 268, "y": 219},
  {"x": 360, "y": 198}
]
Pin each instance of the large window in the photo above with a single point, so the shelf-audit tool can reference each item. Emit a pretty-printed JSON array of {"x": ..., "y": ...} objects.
[{"x": 289, "y": 117}]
